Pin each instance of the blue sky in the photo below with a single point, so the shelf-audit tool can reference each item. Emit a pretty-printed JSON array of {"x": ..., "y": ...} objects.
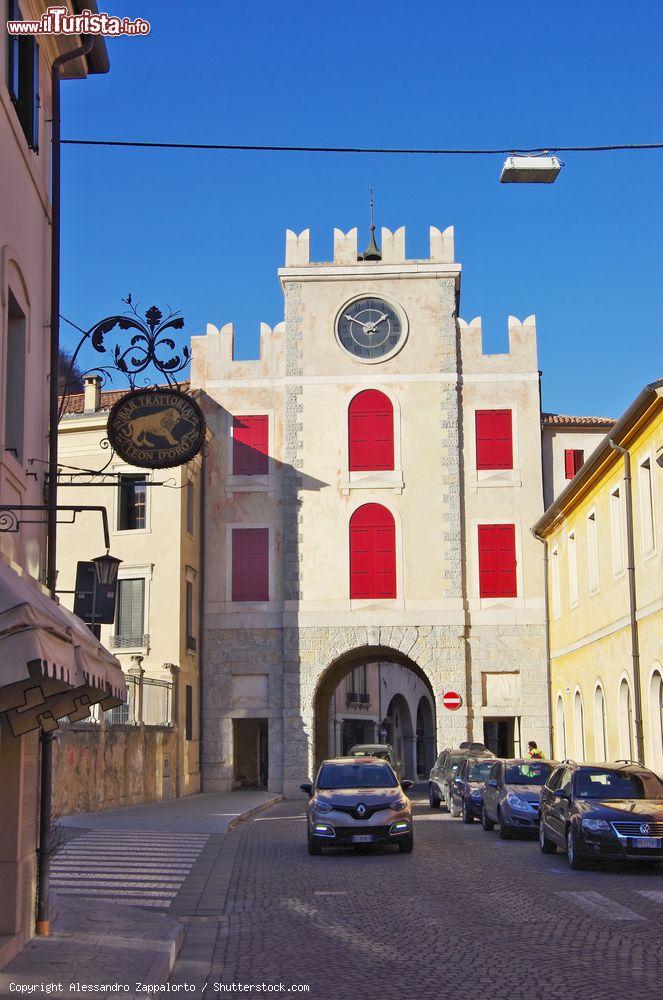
[{"x": 205, "y": 231}]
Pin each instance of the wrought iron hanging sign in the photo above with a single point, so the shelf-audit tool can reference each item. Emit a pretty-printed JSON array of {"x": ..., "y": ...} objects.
[
  {"x": 159, "y": 426},
  {"x": 156, "y": 428}
]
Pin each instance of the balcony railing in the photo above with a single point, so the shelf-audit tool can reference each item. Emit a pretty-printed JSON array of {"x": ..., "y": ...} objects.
[{"x": 129, "y": 641}]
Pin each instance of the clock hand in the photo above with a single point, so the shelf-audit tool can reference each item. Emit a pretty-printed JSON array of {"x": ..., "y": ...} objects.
[{"x": 353, "y": 320}]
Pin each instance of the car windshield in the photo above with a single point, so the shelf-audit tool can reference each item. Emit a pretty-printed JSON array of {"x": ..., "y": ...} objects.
[
  {"x": 527, "y": 774},
  {"x": 382, "y": 754},
  {"x": 356, "y": 776},
  {"x": 598, "y": 783},
  {"x": 480, "y": 771}
]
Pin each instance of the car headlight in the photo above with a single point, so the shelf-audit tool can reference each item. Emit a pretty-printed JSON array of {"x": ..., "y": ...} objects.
[
  {"x": 398, "y": 804},
  {"x": 516, "y": 801},
  {"x": 323, "y": 807},
  {"x": 595, "y": 824}
]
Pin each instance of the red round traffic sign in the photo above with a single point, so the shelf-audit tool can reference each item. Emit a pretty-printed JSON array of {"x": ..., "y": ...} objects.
[{"x": 452, "y": 700}]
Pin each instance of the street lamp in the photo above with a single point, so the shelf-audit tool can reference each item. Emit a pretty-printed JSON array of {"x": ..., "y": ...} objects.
[
  {"x": 105, "y": 568},
  {"x": 530, "y": 170}
]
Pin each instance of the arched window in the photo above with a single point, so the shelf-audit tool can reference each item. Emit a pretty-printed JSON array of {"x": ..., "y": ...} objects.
[
  {"x": 656, "y": 719},
  {"x": 578, "y": 727},
  {"x": 560, "y": 726},
  {"x": 626, "y": 747},
  {"x": 371, "y": 432},
  {"x": 600, "y": 735},
  {"x": 372, "y": 553}
]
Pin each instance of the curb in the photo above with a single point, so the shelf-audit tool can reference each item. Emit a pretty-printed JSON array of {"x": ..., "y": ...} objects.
[
  {"x": 163, "y": 964},
  {"x": 251, "y": 812}
]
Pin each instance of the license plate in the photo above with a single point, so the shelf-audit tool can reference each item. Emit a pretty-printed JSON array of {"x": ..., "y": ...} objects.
[
  {"x": 647, "y": 842},
  {"x": 362, "y": 838}
]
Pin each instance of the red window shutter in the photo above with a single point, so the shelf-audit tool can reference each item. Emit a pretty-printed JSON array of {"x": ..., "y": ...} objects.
[
  {"x": 371, "y": 432},
  {"x": 497, "y": 560},
  {"x": 250, "y": 564},
  {"x": 372, "y": 553},
  {"x": 573, "y": 460},
  {"x": 494, "y": 439},
  {"x": 250, "y": 441}
]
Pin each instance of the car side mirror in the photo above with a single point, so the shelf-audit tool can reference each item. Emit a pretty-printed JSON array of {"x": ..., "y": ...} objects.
[
  {"x": 406, "y": 784},
  {"x": 308, "y": 788},
  {"x": 458, "y": 781},
  {"x": 492, "y": 782},
  {"x": 559, "y": 793}
]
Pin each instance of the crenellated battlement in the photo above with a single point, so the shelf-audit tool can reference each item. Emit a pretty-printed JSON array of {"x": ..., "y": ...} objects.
[
  {"x": 522, "y": 356},
  {"x": 213, "y": 355},
  {"x": 346, "y": 249}
]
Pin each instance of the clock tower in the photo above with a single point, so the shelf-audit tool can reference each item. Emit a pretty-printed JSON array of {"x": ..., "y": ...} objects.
[{"x": 354, "y": 536}]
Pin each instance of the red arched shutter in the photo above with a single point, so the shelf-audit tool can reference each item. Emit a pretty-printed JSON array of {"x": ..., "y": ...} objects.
[
  {"x": 372, "y": 553},
  {"x": 371, "y": 432}
]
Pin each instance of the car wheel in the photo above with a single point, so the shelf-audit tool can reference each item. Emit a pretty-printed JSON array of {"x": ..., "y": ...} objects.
[
  {"x": 453, "y": 808},
  {"x": 467, "y": 815},
  {"x": 573, "y": 857},
  {"x": 546, "y": 846},
  {"x": 314, "y": 848},
  {"x": 505, "y": 829},
  {"x": 406, "y": 846},
  {"x": 433, "y": 798},
  {"x": 486, "y": 823}
]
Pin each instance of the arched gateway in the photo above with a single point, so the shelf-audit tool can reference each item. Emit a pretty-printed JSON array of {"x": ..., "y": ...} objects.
[{"x": 392, "y": 698}]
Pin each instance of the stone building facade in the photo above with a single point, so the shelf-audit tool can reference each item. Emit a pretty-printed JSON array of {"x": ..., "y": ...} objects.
[{"x": 369, "y": 337}]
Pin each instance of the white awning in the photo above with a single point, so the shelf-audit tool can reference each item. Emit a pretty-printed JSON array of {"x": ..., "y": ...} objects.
[{"x": 51, "y": 665}]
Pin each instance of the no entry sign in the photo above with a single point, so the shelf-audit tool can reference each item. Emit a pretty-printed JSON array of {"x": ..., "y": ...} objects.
[{"x": 452, "y": 700}]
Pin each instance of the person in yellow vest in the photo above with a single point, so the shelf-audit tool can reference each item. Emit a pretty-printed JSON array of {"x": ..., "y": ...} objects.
[{"x": 534, "y": 751}]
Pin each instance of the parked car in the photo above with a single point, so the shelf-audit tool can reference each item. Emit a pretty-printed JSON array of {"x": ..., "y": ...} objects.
[
  {"x": 382, "y": 750},
  {"x": 602, "y": 811},
  {"x": 512, "y": 794},
  {"x": 357, "y": 801},
  {"x": 444, "y": 769},
  {"x": 467, "y": 787}
]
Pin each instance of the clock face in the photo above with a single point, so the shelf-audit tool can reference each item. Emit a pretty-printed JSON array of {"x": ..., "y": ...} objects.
[{"x": 369, "y": 329}]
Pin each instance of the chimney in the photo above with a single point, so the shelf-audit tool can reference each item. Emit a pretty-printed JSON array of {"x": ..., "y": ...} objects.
[{"x": 92, "y": 393}]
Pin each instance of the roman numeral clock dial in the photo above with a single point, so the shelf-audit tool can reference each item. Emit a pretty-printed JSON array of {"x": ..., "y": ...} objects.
[{"x": 370, "y": 329}]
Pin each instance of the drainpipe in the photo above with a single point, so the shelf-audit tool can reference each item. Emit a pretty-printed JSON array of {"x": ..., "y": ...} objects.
[
  {"x": 201, "y": 617},
  {"x": 635, "y": 642},
  {"x": 43, "y": 928},
  {"x": 546, "y": 616}
]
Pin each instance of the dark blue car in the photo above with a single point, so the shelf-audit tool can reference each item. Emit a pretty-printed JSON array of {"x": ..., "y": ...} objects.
[{"x": 467, "y": 787}]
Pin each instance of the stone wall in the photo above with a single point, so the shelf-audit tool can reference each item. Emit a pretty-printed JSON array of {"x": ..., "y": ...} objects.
[{"x": 97, "y": 768}]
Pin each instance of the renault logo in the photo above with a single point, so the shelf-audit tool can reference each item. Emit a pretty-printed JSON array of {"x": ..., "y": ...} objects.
[
  {"x": 361, "y": 809},
  {"x": 645, "y": 828}
]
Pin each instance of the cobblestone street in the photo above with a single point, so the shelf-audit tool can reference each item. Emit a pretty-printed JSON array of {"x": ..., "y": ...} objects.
[{"x": 466, "y": 915}]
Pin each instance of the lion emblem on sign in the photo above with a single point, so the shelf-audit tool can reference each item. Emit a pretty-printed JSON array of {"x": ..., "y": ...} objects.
[{"x": 143, "y": 430}]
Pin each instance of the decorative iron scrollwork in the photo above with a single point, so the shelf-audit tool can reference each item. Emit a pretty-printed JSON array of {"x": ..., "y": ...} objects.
[{"x": 151, "y": 345}]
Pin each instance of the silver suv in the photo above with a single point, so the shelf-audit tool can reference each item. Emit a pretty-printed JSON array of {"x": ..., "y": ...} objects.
[
  {"x": 356, "y": 801},
  {"x": 444, "y": 770}
]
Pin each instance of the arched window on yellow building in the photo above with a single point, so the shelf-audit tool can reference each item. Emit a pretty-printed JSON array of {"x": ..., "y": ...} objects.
[
  {"x": 560, "y": 729},
  {"x": 600, "y": 734},
  {"x": 626, "y": 744},
  {"x": 578, "y": 727},
  {"x": 656, "y": 718}
]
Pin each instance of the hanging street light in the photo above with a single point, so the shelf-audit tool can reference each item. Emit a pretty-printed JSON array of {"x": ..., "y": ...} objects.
[
  {"x": 530, "y": 170},
  {"x": 105, "y": 568}
]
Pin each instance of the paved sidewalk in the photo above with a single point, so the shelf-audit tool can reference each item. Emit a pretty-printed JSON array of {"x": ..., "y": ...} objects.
[
  {"x": 97, "y": 941},
  {"x": 208, "y": 812}
]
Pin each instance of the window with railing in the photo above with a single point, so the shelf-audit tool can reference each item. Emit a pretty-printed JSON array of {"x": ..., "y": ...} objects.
[
  {"x": 23, "y": 78},
  {"x": 130, "y": 615}
]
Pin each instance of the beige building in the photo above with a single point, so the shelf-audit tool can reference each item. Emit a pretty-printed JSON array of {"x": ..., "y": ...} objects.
[
  {"x": 50, "y": 666},
  {"x": 370, "y": 492},
  {"x": 566, "y": 442},
  {"x": 155, "y": 529},
  {"x": 604, "y": 544}
]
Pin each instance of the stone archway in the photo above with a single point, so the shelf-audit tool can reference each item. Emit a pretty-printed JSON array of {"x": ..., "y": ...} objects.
[
  {"x": 400, "y": 722},
  {"x": 317, "y": 659}
]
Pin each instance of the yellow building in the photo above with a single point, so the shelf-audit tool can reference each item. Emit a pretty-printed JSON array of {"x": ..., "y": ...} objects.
[{"x": 604, "y": 547}]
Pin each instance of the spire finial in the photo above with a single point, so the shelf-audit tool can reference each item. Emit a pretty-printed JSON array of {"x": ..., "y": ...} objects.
[{"x": 373, "y": 251}]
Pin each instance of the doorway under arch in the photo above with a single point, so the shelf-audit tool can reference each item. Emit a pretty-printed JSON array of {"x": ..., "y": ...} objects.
[
  {"x": 398, "y": 677},
  {"x": 425, "y": 737}
]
